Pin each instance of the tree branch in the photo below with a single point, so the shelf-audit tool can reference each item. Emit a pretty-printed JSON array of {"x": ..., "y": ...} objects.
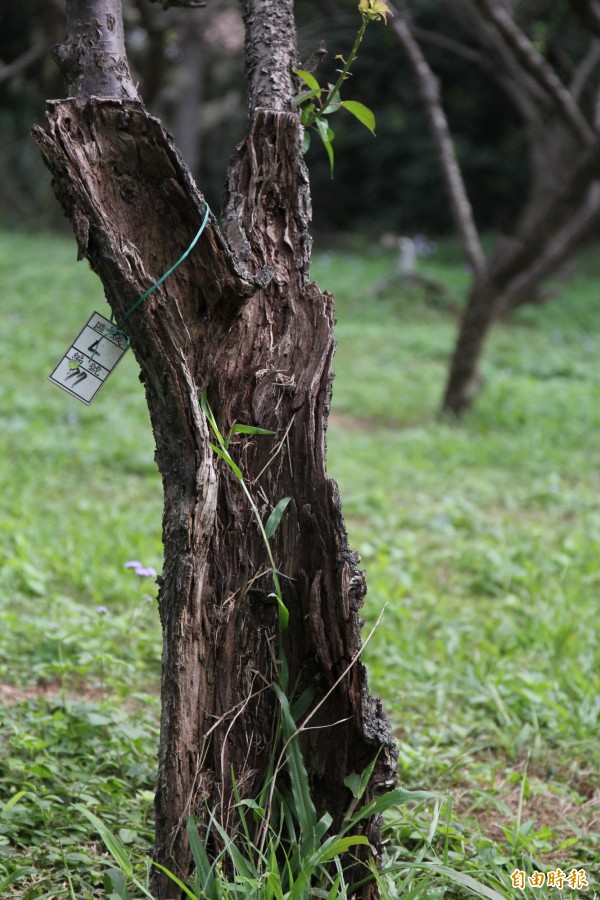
[
  {"x": 21, "y": 63},
  {"x": 553, "y": 216},
  {"x": 271, "y": 54},
  {"x": 538, "y": 68},
  {"x": 93, "y": 58},
  {"x": 521, "y": 89},
  {"x": 586, "y": 68},
  {"x": 462, "y": 51},
  {"x": 515, "y": 86},
  {"x": 561, "y": 247},
  {"x": 589, "y": 11},
  {"x": 430, "y": 94}
]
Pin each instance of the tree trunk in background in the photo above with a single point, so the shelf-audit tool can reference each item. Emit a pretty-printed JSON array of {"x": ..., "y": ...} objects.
[
  {"x": 241, "y": 318},
  {"x": 563, "y": 203},
  {"x": 464, "y": 380}
]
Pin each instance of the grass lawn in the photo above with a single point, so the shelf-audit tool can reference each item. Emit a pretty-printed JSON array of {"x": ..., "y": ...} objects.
[{"x": 481, "y": 543}]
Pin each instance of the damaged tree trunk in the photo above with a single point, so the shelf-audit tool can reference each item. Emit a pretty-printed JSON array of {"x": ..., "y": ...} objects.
[{"x": 241, "y": 319}]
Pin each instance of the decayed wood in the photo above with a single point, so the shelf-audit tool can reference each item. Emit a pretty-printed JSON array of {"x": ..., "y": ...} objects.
[{"x": 240, "y": 318}]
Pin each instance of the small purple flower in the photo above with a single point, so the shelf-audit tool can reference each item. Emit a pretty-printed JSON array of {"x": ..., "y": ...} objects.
[
  {"x": 102, "y": 610},
  {"x": 148, "y": 599},
  {"x": 133, "y": 564},
  {"x": 146, "y": 572}
]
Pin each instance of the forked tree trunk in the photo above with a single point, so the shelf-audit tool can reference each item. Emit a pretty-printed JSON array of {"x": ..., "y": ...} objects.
[{"x": 241, "y": 318}]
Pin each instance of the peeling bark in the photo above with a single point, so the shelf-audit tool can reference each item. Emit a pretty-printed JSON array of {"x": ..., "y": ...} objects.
[{"x": 241, "y": 318}]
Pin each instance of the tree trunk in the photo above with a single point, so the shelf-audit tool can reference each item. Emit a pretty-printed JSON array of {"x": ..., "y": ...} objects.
[
  {"x": 241, "y": 318},
  {"x": 464, "y": 380}
]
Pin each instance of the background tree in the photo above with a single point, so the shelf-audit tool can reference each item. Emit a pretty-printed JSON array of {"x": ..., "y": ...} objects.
[
  {"x": 400, "y": 188},
  {"x": 556, "y": 93},
  {"x": 241, "y": 320}
]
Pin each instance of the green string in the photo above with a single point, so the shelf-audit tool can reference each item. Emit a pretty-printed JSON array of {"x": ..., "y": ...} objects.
[{"x": 117, "y": 328}]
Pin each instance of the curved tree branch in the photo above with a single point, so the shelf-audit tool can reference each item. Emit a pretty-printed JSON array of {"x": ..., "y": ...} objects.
[
  {"x": 456, "y": 48},
  {"x": 584, "y": 71},
  {"x": 538, "y": 68},
  {"x": 560, "y": 247},
  {"x": 430, "y": 93},
  {"x": 589, "y": 11},
  {"x": 21, "y": 63}
]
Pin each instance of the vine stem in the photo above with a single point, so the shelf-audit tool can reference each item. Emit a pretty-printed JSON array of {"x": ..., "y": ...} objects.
[
  {"x": 344, "y": 73},
  {"x": 283, "y": 613}
]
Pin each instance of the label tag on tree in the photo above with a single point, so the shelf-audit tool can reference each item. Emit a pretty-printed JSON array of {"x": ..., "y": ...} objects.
[{"x": 91, "y": 358}]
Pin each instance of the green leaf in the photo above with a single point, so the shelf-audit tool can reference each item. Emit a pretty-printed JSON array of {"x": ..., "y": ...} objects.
[
  {"x": 326, "y": 135},
  {"x": 331, "y": 105},
  {"x": 306, "y": 142},
  {"x": 308, "y": 78},
  {"x": 238, "y": 428},
  {"x": 323, "y": 825},
  {"x": 204, "y": 869},
  {"x": 397, "y": 797},
  {"x": 225, "y": 455},
  {"x": 300, "y": 705},
  {"x": 249, "y": 429},
  {"x": 175, "y": 880},
  {"x": 304, "y": 808},
  {"x": 300, "y": 98},
  {"x": 362, "y": 113},
  {"x": 307, "y": 115},
  {"x": 352, "y": 782},
  {"x": 284, "y": 616},
  {"x": 113, "y": 844},
  {"x": 325, "y": 132},
  {"x": 358, "y": 783},
  {"x": 12, "y": 802},
  {"x": 19, "y": 873},
  {"x": 274, "y": 519},
  {"x": 334, "y": 890},
  {"x": 341, "y": 845},
  {"x": 464, "y": 880},
  {"x": 210, "y": 418},
  {"x": 241, "y": 865},
  {"x": 73, "y": 364}
]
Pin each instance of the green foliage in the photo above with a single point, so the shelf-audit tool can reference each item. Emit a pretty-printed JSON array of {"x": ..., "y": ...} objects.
[
  {"x": 267, "y": 530},
  {"x": 317, "y": 103},
  {"x": 482, "y": 540},
  {"x": 292, "y": 856}
]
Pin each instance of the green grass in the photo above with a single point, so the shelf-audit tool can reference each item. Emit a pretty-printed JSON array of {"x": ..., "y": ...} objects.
[{"x": 482, "y": 542}]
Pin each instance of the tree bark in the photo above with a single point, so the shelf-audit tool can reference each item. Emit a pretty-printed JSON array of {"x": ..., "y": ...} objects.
[
  {"x": 464, "y": 380},
  {"x": 241, "y": 318}
]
